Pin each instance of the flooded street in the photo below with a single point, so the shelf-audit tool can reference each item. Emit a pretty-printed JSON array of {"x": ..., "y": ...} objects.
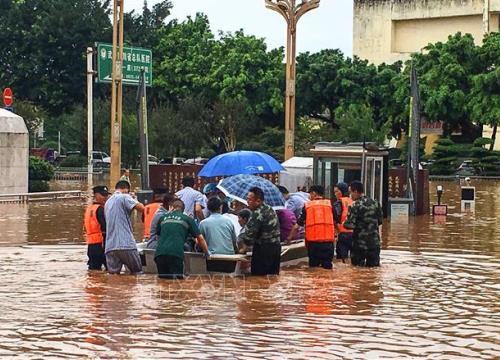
[{"x": 436, "y": 296}]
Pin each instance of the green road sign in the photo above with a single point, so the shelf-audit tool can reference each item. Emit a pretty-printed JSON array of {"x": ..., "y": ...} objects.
[{"x": 134, "y": 59}]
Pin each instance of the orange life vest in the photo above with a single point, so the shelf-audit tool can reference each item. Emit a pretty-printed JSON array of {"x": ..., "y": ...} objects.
[
  {"x": 346, "y": 205},
  {"x": 149, "y": 212},
  {"x": 92, "y": 227},
  {"x": 319, "y": 221}
]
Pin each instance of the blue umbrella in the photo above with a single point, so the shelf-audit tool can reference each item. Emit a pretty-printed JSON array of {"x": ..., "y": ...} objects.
[
  {"x": 240, "y": 162},
  {"x": 238, "y": 186}
]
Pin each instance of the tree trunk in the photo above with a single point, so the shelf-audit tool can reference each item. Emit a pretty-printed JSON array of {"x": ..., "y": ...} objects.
[{"x": 493, "y": 137}]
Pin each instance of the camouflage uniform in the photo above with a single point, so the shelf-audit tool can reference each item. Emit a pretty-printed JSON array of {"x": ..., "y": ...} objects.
[
  {"x": 364, "y": 218},
  {"x": 263, "y": 232}
]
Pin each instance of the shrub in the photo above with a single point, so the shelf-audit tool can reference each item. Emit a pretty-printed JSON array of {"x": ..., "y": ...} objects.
[
  {"x": 445, "y": 158},
  {"x": 38, "y": 186},
  {"x": 40, "y": 169},
  {"x": 485, "y": 162}
]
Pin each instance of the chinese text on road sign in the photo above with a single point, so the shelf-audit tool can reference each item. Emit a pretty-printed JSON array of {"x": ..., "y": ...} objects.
[{"x": 134, "y": 59}]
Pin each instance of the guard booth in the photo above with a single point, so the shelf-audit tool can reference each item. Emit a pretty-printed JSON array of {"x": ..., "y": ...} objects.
[{"x": 368, "y": 163}]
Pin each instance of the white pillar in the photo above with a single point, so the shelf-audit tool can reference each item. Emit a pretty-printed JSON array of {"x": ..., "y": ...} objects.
[
  {"x": 90, "y": 135},
  {"x": 486, "y": 17}
]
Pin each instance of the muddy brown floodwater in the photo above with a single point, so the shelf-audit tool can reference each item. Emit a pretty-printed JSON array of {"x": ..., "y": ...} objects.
[{"x": 436, "y": 296}]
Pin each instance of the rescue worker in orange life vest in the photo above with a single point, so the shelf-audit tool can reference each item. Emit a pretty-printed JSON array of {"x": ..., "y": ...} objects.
[
  {"x": 150, "y": 211},
  {"x": 340, "y": 211},
  {"x": 317, "y": 217},
  {"x": 95, "y": 229}
]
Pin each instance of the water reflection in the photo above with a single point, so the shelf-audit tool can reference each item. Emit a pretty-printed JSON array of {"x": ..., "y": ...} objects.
[
  {"x": 13, "y": 224},
  {"x": 435, "y": 296}
]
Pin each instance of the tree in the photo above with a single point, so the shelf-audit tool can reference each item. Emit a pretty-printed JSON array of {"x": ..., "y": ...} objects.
[
  {"x": 46, "y": 65},
  {"x": 447, "y": 156},
  {"x": 486, "y": 163},
  {"x": 40, "y": 172},
  {"x": 184, "y": 52},
  {"x": 323, "y": 83},
  {"x": 311, "y": 131},
  {"x": 32, "y": 114},
  {"x": 226, "y": 123},
  {"x": 445, "y": 75},
  {"x": 356, "y": 124},
  {"x": 145, "y": 29},
  {"x": 485, "y": 98}
]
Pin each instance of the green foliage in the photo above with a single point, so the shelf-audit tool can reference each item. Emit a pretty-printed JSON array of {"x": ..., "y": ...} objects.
[
  {"x": 217, "y": 93},
  {"x": 327, "y": 81},
  {"x": 145, "y": 29},
  {"x": 43, "y": 48},
  {"x": 309, "y": 132},
  {"x": 357, "y": 125},
  {"x": 38, "y": 186},
  {"x": 486, "y": 163},
  {"x": 447, "y": 156},
  {"x": 404, "y": 151},
  {"x": 484, "y": 101},
  {"x": 40, "y": 169},
  {"x": 184, "y": 59},
  {"x": 74, "y": 161},
  {"x": 445, "y": 71},
  {"x": 270, "y": 141},
  {"x": 32, "y": 114},
  {"x": 50, "y": 145}
]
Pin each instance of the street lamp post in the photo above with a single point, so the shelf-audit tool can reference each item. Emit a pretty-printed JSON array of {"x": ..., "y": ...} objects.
[{"x": 292, "y": 11}]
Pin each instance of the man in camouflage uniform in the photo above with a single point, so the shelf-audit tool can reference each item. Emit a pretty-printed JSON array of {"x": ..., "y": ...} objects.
[
  {"x": 364, "y": 218},
  {"x": 263, "y": 232}
]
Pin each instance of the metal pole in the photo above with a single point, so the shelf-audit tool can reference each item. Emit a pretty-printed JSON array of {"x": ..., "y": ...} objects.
[
  {"x": 291, "y": 12},
  {"x": 59, "y": 142},
  {"x": 142, "y": 120},
  {"x": 90, "y": 128},
  {"x": 290, "y": 92},
  {"x": 116, "y": 92}
]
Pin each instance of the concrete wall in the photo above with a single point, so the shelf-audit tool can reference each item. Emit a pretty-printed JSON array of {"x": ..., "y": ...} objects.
[
  {"x": 14, "y": 153},
  {"x": 389, "y": 30}
]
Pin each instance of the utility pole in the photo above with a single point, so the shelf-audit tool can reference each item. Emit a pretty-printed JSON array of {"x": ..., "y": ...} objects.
[
  {"x": 291, "y": 12},
  {"x": 90, "y": 116},
  {"x": 116, "y": 92},
  {"x": 142, "y": 122}
]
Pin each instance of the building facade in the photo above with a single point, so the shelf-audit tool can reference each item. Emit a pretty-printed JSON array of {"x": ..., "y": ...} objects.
[
  {"x": 390, "y": 30},
  {"x": 386, "y": 31}
]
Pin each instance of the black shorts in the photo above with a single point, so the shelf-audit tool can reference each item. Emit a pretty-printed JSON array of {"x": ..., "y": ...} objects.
[
  {"x": 97, "y": 258},
  {"x": 266, "y": 259},
  {"x": 170, "y": 267},
  {"x": 365, "y": 257},
  {"x": 320, "y": 254}
]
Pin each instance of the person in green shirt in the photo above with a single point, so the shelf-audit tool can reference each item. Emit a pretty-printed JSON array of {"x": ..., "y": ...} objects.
[
  {"x": 126, "y": 176},
  {"x": 173, "y": 229}
]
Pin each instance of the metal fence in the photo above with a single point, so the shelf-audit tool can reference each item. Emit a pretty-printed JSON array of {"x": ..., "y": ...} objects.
[{"x": 41, "y": 196}]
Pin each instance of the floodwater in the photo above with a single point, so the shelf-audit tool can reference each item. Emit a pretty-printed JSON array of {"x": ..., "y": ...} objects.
[{"x": 436, "y": 296}]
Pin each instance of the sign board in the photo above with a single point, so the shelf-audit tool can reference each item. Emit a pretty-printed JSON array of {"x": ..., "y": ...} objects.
[
  {"x": 8, "y": 97},
  {"x": 440, "y": 210},
  {"x": 429, "y": 128},
  {"x": 134, "y": 60},
  {"x": 468, "y": 199},
  {"x": 400, "y": 212}
]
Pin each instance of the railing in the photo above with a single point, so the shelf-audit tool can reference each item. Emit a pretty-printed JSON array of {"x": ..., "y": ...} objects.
[
  {"x": 74, "y": 174},
  {"x": 459, "y": 177},
  {"x": 41, "y": 196}
]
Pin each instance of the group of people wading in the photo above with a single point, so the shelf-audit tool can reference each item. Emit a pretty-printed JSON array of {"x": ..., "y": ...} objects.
[{"x": 193, "y": 221}]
